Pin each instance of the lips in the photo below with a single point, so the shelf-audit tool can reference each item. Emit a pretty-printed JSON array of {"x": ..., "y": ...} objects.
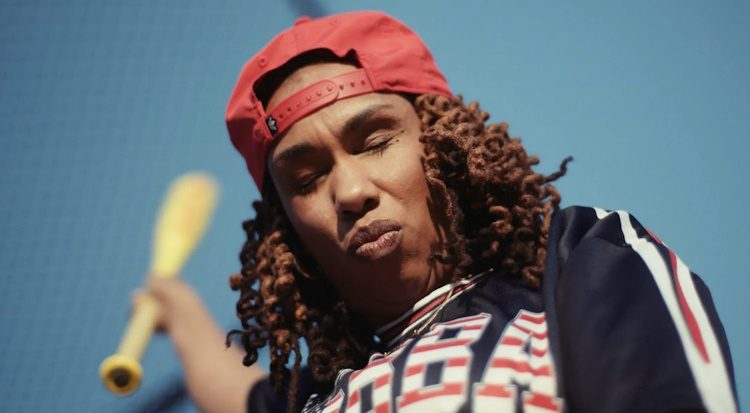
[{"x": 375, "y": 240}]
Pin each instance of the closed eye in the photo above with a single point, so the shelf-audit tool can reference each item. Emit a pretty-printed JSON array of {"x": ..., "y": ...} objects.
[
  {"x": 306, "y": 184},
  {"x": 380, "y": 146}
]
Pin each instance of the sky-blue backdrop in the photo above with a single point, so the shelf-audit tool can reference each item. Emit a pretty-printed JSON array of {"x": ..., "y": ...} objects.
[{"x": 103, "y": 103}]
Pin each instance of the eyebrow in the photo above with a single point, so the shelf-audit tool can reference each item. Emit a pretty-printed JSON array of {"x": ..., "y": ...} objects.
[
  {"x": 352, "y": 124},
  {"x": 356, "y": 121},
  {"x": 294, "y": 151}
]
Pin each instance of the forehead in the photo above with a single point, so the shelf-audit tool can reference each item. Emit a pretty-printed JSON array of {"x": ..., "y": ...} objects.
[
  {"x": 341, "y": 116},
  {"x": 345, "y": 122}
]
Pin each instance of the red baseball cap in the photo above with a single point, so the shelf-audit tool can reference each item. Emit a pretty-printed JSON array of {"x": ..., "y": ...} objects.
[{"x": 392, "y": 59}]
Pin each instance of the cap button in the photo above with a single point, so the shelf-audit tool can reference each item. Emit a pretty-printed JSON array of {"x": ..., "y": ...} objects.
[
  {"x": 302, "y": 19},
  {"x": 262, "y": 62}
]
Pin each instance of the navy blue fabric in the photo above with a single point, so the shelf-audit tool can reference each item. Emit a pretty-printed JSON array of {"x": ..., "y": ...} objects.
[
  {"x": 615, "y": 344},
  {"x": 262, "y": 398}
]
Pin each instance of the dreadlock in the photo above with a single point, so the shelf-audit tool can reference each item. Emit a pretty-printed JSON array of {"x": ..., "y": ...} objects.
[{"x": 499, "y": 211}]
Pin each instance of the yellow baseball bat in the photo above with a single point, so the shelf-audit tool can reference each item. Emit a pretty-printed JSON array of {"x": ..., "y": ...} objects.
[{"x": 182, "y": 220}]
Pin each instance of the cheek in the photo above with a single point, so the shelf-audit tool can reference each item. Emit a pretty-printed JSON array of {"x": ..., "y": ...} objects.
[
  {"x": 415, "y": 196},
  {"x": 311, "y": 220},
  {"x": 405, "y": 175}
]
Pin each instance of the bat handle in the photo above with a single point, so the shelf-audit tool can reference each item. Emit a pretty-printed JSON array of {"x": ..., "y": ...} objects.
[{"x": 122, "y": 372}]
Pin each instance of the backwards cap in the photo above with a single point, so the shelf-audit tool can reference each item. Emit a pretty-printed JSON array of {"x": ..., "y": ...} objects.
[{"x": 392, "y": 59}]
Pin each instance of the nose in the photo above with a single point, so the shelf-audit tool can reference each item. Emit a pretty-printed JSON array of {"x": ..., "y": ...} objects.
[{"x": 353, "y": 190}]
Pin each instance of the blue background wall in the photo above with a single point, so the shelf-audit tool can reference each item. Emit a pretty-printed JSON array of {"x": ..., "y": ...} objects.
[{"x": 102, "y": 104}]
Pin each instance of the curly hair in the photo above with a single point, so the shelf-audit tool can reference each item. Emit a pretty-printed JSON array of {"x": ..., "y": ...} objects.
[{"x": 499, "y": 212}]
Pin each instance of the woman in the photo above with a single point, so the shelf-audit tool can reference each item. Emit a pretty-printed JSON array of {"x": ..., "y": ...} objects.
[{"x": 413, "y": 248}]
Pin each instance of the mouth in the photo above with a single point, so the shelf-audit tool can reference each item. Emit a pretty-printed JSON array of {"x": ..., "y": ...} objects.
[{"x": 375, "y": 240}]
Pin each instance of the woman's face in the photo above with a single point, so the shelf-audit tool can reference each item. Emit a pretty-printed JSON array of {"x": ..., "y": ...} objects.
[{"x": 351, "y": 181}]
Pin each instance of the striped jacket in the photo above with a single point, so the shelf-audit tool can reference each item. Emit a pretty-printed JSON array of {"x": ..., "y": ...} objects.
[{"x": 620, "y": 325}]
